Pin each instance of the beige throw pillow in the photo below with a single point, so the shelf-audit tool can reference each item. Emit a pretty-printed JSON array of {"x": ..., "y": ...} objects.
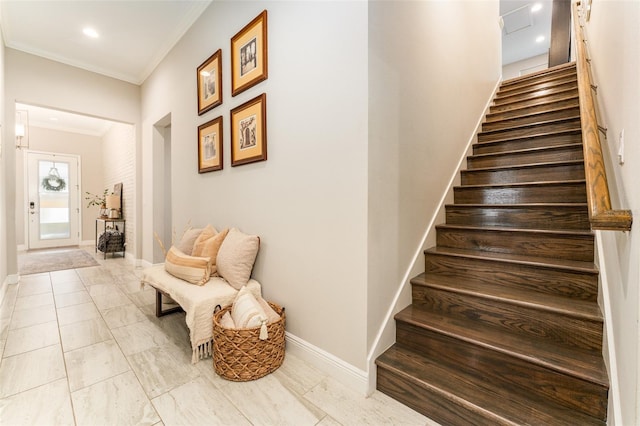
[
  {"x": 187, "y": 241},
  {"x": 209, "y": 248},
  {"x": 200, "y": 242},
  {"x": 236, "y": 257},
  {"x": 194, "y": 270}
]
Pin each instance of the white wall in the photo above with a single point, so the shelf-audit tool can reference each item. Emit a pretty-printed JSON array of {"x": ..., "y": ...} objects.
[
  {"x": 429, "y": 83},
  {"x": 34, "y": 80},
  {"x": 525, "y": 66},
  {"x": 613, "y": 33},
  {"x": 56, "y": 141},
  {"x": 119, "y": 159},
  {"x": 308, "y": 201},
  {"x": 5, "y": 144}
]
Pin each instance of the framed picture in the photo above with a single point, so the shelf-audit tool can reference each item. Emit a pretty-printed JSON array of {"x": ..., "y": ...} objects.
[
  {"x": 249, "y": 131},
  {"x": 210, "y": 83},
  {"x": 210, "y": 146},
  {"x": 249, "y": 55}
]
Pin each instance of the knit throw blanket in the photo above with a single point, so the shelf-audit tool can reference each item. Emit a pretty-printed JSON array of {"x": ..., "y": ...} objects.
[{"x": 198, "y": 302}]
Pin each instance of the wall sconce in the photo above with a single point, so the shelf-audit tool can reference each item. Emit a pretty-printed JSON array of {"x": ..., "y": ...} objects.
[{"x": 22, "y": 129}]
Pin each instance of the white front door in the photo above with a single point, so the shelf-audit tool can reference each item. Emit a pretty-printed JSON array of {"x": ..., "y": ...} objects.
[{"x": 53, "y": 213}]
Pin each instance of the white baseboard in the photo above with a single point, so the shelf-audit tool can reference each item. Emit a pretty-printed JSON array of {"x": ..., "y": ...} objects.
[
  {"x": 21, "y": 247},
  {"x": 87, "y": 243},
  {"x": 141, "y": 263},
  {"x": 10, "y": 280},
  {"x": 343, "y": 372}
]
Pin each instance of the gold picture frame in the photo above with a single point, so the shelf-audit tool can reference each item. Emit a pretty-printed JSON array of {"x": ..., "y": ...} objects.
[
  {"x": 249, "y": 57},
  {"x": 209, "y": 75},
  {"x": 210, "y": 146},
  {"x": 249, "y": 131}
]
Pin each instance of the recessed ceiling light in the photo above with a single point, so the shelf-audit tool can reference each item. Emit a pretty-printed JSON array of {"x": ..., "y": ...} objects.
[
  {"x": 539, "y": 39},
  {"x": 536, "y": 7},
  {"x": 90, "y": 32}
]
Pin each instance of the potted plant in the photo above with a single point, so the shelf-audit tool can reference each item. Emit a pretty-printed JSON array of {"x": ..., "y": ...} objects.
[{"x": 98, "y": 200}]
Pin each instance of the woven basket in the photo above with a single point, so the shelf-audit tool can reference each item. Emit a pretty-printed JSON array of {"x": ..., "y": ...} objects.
[{"x": 239, "y": 354}]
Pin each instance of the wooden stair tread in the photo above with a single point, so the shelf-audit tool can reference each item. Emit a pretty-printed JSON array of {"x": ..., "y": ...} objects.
[
  {"x": 542, "y": 262},
  {"x": 516, "y": 296},
  {"x": 531, "y": 114},
  {"x": 525, "y": 151},
  {"x": 525, "y": 166},
  {"x": 520, "y": 98},
  {"x": 539, "y": 74},
  {"x": 537, "y": 135},
  {"x": 553, "y": 86},
  {"x": 582, "y": 364},
  {"x": 524, "y": 184},
  {"x": 570, "y": 120},
  {"x": 550, "y": 232},
  {"x": 562, "y": 96},
  {"x": 573, "y": 131},
  {"x": 556, "y": 80},
  {"x": 525, "y": 205},
  {"x": 490, "y": 116},
  {"x": 475, "y": 393}
]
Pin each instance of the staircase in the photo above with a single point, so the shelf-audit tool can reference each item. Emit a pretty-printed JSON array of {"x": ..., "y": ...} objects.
[{"x": 504, "y": 326}]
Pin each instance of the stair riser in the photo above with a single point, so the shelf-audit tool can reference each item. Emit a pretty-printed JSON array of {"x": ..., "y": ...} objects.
[
  {"x": 566, "y": 283},
  {"x": 430, "y": 402},
  {"x": 521, "y": 175},
  {"x": 537, "y": 85},
  {"x": 515, "y": 378},
  {"x": 569, "y": 153},
  {"x": 536, "y": 324},
  {"x": 530, "y": 130},
  {"x": 508, "y": 106},
  {"x": 560, "y": 193},
  {"x": 567, "y": 246},
  {"x": 533, "y": 118},
  {"x": 542, "y": 107},
  {"x": 501, "y": 100},
  {"x": 545, "y": 141},
  {"x": 536, "y": 79},
  {"x": 574, "y": 218}
]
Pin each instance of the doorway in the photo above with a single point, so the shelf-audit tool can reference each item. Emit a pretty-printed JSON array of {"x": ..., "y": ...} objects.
[{"x": 52, "y": 210}]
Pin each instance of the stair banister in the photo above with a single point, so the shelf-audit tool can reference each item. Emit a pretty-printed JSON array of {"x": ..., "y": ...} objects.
[{"x": 601, "y": 215}]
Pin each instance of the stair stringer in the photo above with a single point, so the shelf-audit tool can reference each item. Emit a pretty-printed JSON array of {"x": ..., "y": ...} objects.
[
  {"x": 609, "y": 351},
  {"x": 387, "y": 328}
]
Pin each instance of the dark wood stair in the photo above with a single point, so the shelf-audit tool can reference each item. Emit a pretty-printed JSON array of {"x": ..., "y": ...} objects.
[{"x": 504, "y": 326}]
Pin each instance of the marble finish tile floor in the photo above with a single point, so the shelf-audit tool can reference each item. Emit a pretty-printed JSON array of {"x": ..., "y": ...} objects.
[{"x": 83, "y": 347}]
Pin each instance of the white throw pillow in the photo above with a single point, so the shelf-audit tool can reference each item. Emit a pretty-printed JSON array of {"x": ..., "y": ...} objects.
[{"x": 246, "y": 311}]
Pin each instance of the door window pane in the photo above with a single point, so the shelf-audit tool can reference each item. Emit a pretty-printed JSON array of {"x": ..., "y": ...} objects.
[{"x": 54, "y": 200}]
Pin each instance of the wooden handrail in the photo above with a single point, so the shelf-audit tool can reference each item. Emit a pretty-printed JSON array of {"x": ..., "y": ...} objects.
[{"x": 601, "y": 215}]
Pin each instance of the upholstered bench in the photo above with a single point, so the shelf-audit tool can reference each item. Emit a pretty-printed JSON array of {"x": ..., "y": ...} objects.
[
  {"x": 188, "y": 280},
  {"x": 198, "y": 302}
]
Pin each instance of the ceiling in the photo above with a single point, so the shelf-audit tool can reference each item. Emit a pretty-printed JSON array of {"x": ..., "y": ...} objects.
[
  {"x": 521, "y": 28},
  {"x": 134, "y": 36}
]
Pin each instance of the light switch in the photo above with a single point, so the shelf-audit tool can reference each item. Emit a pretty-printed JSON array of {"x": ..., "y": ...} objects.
[{"x": 621, "y": 148}]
